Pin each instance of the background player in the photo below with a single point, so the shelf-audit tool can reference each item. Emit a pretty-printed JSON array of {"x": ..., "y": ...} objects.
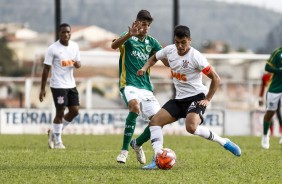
[{"x": 61, "y": 57}]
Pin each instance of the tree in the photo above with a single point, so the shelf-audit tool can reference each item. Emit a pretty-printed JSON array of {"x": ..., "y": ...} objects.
[
  {"x": 8, "y": 64},
  {"x": 7, "y": 61}
]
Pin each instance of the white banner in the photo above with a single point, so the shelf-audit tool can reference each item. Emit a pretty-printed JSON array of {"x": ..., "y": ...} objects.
[
  {"x": 38, "y": 121},
  {"x": 257, "y": 123}
]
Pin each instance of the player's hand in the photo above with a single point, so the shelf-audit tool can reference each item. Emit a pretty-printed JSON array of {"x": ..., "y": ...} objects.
[
  {"x": 260, "y": 103},
  {"x": 76, "y": 64},
  {"x": 204, "y": 102},
  {"x": 135, "y": 29},
  {"x": 42, "y": 95},
  {"x": 141, "y": 72}
]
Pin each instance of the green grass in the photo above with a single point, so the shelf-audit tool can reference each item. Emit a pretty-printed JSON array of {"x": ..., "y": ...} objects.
[{"x": 92, "y": 159}]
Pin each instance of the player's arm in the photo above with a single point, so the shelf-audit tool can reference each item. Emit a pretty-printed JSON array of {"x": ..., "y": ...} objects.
[
  {"x": 132, "y": 31},
  {"x": 118, "y": 42},
  {"x": 215, "y": 81},
  {"x": 151, "y": 62},
  {"x": 76, "y": 64},
  {"x": 269, "y": 67},
  {"x": 165, "y": 62},
  {"x": 261, "y": 91},
  {"x": 45, "y": 74}
]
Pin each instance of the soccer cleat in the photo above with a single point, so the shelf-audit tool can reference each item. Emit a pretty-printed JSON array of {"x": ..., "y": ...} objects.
[
  {"x": 139, "y": 152},
  {"x": 121, "y": 158},
  {"x": 151, "y": 166},
  {"x": 50, "y": 139},
  {"x": 280, "y": 142},
  {"x": 265, "y": 142},
  {"x": 232, "y": 147},
  {"x": 59, "y": 146}
]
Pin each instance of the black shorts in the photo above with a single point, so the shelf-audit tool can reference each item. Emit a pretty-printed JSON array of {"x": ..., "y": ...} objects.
[
  {"x": 179, "y": 108},
  {"x": 65, "y": 97}
]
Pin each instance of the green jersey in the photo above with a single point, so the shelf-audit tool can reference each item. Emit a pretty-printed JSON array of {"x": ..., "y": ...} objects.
[
  {"x": 274, "y": 66},
  {"x": 134, "y": 53}
]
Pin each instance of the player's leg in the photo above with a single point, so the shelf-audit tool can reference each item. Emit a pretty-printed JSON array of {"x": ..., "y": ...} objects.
[
  {"x": 57, "y": 128},
  {"x": 278, "y": 114},
  {"x": 55, "y": 134},
  {"x": 266, "y": 124},
  {"x": 130, "y": 95},
  {"x": 73, "y": 107},
  {"x": 271, "y": 126},
  {"x": 194, "y": 120},
  {"x": 162, "y": 118},
  {"x": 272, "y": 100},
  {"x": 149, "y": 107}
]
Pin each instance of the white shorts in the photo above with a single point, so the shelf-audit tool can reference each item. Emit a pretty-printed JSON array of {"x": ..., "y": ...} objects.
[
  {"x": 149, "y": 105},
  {"x": 272, "y": 100}
]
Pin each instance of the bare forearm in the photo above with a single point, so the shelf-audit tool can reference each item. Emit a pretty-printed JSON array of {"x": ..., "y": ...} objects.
[
  {"x": 44, "y": 77},
  {"x": 118, "y": 42},
  {"x": 151, "y": 62},
  {"x": 213, "y": 87}
]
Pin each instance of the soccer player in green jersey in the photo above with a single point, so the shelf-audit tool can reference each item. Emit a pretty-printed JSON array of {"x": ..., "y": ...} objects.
[
  {"x": 274, "y": 93},
  {"x": 136, "y": 47}
]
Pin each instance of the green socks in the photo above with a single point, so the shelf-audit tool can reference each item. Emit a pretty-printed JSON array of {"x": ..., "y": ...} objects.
[
  {"x": 144, "y": 137},
  {"x": 266, "y": 126},
  {"x": 129, "y": 129}
]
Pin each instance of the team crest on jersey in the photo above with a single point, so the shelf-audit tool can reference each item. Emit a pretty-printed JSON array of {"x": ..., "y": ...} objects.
[
  {"x": 185, "y": 64},
  {"x": 148, "y": 48},
  {"x": 134, "y": 38},
  {"x": 60, "y": 99},
  {"x": 146, "y": 41}
]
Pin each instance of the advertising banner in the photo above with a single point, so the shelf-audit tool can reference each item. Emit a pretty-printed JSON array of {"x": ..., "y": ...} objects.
[{"x": 95, "y": 121}]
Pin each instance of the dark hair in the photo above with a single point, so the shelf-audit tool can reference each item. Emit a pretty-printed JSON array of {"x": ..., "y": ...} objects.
[
  {"x": 144, "y": 15},
  {"x": 64, "y": 25},
  {"x": 181, "y": 31}
]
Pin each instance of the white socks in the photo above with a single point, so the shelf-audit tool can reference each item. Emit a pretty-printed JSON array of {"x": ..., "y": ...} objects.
[
  {"x": 57, "y": 131},
  {"x": 207, "y": 134},
  {"x": 65, "y": 123},
  {"x": 156, "y": 138}
]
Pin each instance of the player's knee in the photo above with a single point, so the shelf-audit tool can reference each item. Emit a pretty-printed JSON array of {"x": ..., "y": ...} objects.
[
  {"x": 155, "y": 121},
  {"x": 191, "y": 130},
  {"x": 135, "y": 108},
  {"x": 73, "y": 112}
]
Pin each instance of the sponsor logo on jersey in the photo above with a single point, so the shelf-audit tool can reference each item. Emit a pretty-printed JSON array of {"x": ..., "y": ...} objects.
[
  {"x": 178, "y": 76},
  {"x": 65, "y": 63},
  {"x": 60, "y": 100},
  {"x": 140, "y": 55}
]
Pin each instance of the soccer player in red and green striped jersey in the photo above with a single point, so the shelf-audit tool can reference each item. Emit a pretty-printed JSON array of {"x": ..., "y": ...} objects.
[
  {"x": 136, "y": 47},
  {"x": 274, "y": 93}
]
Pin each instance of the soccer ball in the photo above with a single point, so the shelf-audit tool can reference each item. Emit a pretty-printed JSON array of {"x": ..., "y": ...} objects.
[{"x": 165, "y": 159}]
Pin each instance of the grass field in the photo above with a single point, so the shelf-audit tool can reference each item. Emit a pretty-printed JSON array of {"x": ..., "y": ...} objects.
[{"x": 92, "y": 159}]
